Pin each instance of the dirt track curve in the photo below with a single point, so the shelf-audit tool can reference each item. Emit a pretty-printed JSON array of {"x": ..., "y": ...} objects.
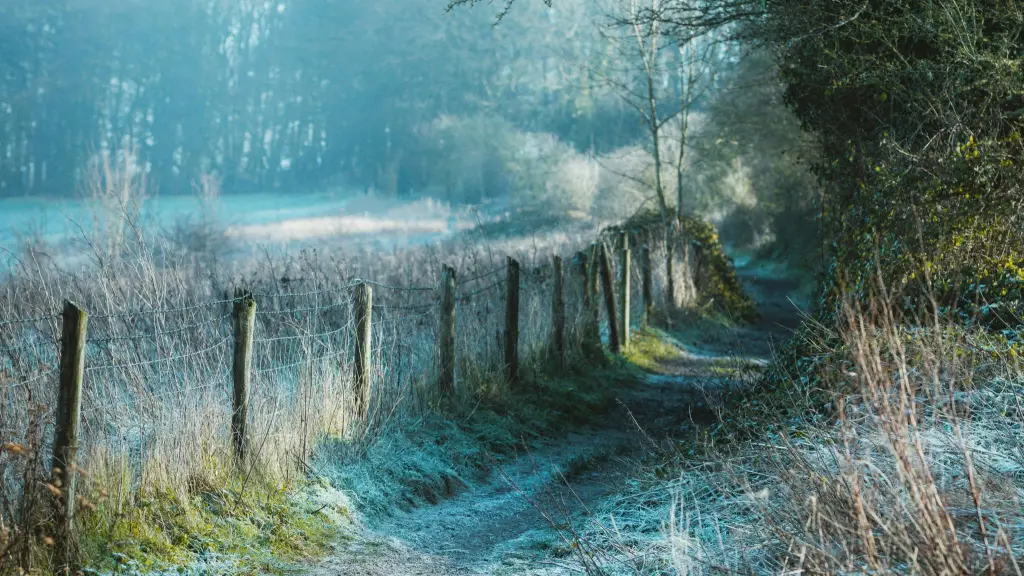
[{"x": 494, "y": 527}]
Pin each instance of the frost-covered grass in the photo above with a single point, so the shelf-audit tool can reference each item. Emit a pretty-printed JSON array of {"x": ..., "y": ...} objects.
[
  {"x": 913, "y": 467},
  {"x": 162, "y": 487}
]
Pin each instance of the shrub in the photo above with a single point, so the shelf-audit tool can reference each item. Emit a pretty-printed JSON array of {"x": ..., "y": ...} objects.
[
  {"x": 477, "y": 157},
  {"x": 917, "y": 109}
]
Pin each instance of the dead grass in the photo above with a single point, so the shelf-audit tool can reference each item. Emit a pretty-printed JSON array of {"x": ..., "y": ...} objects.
[
  {"x": 157, "y": 407},
  {"x": 915, "y": 467}
]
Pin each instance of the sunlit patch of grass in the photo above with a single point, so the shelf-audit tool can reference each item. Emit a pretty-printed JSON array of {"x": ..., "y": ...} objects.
[
  {"x": 649, "y": 348},
  {"x": 243, "y": 527}
]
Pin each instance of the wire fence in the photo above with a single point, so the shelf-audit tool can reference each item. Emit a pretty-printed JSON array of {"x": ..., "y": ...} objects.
[{"x": 160, "y": 384}]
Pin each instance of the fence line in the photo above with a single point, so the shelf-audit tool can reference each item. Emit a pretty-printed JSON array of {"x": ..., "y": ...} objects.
[{"x": 589, "y": 272}]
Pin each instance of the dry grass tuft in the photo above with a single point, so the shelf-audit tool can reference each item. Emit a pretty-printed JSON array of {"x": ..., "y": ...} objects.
[{"x": 919, "y": 469}]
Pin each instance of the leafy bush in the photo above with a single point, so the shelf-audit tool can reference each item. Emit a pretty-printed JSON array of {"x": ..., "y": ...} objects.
[
  {"x": 917, "y": 107},
  {"x": 484, "y": 156}
]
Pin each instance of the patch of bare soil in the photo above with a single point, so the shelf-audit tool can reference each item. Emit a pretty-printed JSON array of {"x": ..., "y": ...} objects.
[{"x": 517, "y": 521}]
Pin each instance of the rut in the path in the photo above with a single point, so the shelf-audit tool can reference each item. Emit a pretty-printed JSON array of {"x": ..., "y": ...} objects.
[{"x": 504, "y": 525}]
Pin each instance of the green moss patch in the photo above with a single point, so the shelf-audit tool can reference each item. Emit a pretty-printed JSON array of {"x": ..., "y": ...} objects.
[
  {"x": 263, "y": 529},
  {"x": 649, "y": 348}
]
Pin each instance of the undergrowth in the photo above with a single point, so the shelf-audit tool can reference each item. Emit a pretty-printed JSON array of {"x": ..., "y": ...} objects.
[{"x": 903, "y": 456}]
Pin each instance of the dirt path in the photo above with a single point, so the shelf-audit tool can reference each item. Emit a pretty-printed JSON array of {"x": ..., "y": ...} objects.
[{"x": 510, "y": 523}]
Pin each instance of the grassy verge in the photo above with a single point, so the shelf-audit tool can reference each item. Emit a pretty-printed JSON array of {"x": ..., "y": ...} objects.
[
  {"x": 263, "y": 529},
  {"x": 423, "y": 461},
  {"x": 242, "y": 525},
  {"x": 899, "y": 455},
  {"x": 650, "y": 348}
]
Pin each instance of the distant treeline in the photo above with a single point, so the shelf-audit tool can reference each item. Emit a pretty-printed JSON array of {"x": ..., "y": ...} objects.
[{"x": 290, "y": 93}]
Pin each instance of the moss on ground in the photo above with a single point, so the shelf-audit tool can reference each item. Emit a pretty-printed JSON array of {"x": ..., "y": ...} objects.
[
  {"x": 649, "y": 348},
  {"x": 243, "y": 528}
]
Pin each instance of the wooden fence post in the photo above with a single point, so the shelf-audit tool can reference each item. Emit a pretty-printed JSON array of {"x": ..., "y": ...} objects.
[
  {"x": 593, "y": 318},
  {"x": 558, "y": 312},
  {"x": 587, "y": 337},
  {"x": 512, "y": 322},
  {"x": 645, "y": 280},
  {"x": 65, "y": 439},
  {"x": 670, "y": 256},
  {"x": 584, "y": 272},
  {"x": 624, "y": 290},
  {"x": 609, "y": 302},
  {"x": 244, "y": 324},
  {"x": 364, "y": 331},
  {"x": 446, "y": 332}
]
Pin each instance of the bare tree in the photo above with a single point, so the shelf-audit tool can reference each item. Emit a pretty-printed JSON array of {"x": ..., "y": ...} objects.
[
  {"x": 662, "y": 77},
  {"x": 696, "y": 73}
]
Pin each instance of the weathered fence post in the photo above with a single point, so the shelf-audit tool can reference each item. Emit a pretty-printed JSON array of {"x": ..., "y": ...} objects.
[
  {"x": 645, "y": 281},
  {"x": 558, "y": 312},
  {"x": 698, "y": 257},
  {"x": 670, "y": 256},
  {"x": 591, "y": 336},
  {"x": 584, "y": 272},
  {"x": 593, "y": 317},
  {"x": 65, "y": 439},
  {"x": 364, "y": 331},
  {"x": 244, "y": 324},
  {"x": 624, "y": 289},
  {"x": 609, "y": 302},
  {"x": 512, "y": 322},
  {"x": 446, "y": 333}
]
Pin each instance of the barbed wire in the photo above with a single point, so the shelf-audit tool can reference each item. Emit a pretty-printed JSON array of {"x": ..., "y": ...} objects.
[
  {"x": 399, "y": 288},
  {"x": 154, "y": 395},
  {"x": 481, "y": 276},
  {"x": 154, "y": 311},
  {"x": 347, "y": 325},
  {"x": 299, "y": 363},
  {"x": 31, "y": 320},
  {"x": 308, "y": 293},
  {"x": 408, "y": 317},
  {"x": 23, "y": 383},
  {"x": 260, "y": 312},
  {"x": 32, "y": 345},
  {"x": 155, "y": 335},
  {"x": 160, "y": 360},
  {"x": 301, "y": 336},
  {"x": 404, "y": 307},
  {"x": 464, "y": 297}
]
